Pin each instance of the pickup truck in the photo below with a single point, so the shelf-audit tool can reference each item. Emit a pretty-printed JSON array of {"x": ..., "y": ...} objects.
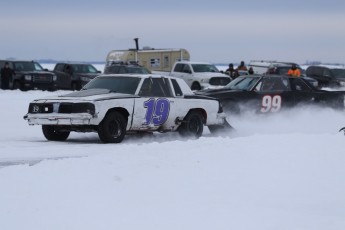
[
  {"x": 74, "y": 75},
  {"x": 118, "y": 104},
  {"x": 199, "y": 75},
  {"x": 30, "y": 75}
]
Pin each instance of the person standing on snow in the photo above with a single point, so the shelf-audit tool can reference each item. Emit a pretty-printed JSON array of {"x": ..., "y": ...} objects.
[
  {"x": 242, "y": 66},
  {"x": 231, "y": 71},
  {"x": 6, "y": 76},
  {"x": 294, "y": 71}
]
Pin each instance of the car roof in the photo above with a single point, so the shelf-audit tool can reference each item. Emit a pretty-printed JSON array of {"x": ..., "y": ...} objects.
[
  {"x": 18, "y": 60},
  {"x": 194, "y": 62},
  {"x": 73, "y": 63},
  {"x": 137, "y": 75}
]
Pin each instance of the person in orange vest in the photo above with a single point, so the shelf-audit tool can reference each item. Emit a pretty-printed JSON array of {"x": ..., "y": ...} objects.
[{"x": 294, "y": 71}]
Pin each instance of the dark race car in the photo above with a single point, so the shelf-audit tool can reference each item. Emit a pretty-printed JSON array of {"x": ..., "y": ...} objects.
[{"x": 272, "y": 93}]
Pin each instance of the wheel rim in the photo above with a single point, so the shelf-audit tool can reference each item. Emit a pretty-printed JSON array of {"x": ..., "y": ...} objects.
[
  {"x": 115, "y": 128},
  {"x": 194, "y": 125}
]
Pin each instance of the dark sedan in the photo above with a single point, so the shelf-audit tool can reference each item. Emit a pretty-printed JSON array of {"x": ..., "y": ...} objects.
[{"x": 272, "y": 93}]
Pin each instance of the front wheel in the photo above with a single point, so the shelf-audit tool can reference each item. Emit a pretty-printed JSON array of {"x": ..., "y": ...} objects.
[
  {"x": 52, "y": 133},
  {"x": 192, "y": 125},
  {"x": 195, "y": 86},
  {"x": 113, "y": 128}
]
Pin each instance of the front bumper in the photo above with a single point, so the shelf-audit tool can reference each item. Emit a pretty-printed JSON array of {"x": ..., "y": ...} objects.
[{"x": 59, "y": 119}]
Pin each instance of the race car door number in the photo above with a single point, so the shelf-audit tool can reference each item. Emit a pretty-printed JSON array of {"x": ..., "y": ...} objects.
[
  {"x": 271, "y": 103},
  {"x": 157, "y": 111}
]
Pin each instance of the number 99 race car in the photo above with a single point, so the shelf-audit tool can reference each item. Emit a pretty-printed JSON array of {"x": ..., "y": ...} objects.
[
  {"x": 114, "y": 105},
  {"x": 272, "y": 93}
]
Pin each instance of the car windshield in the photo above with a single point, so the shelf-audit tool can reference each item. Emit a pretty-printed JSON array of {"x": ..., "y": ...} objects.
[
  {"x": 339, "y": 72},
  {"x": 198, "y": 68},
  {"x": 126, "y": 85},
  {"x": 243, "y": 83},
  {"x": 27, "y": 66},
  {"x": 84, "y": 68}
]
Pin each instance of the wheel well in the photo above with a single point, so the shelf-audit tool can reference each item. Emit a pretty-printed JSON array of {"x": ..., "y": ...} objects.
[
  {"x": 201, "y": 111},
  {"x": 123, "y": 111}
]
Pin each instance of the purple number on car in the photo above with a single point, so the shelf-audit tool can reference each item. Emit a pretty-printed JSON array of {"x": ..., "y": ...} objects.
[{"x": 157, "y": 111}]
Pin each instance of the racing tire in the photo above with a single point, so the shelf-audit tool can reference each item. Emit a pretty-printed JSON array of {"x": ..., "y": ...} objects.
[
  {"x": 51, "y": 133},
  {"x": 75, "y": 86},
  {"x": 113, "y": 128},
  {"x": 17, "y": 85},
  {"x": 192, "y": 125},
  {"x": 195, "y": 86}
]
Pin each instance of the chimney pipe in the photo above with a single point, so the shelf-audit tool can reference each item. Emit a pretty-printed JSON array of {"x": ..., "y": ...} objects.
[{"x": 136, "y": 43}]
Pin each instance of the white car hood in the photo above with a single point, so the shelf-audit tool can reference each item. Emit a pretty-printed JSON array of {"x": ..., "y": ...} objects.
[{"x": 88, "y": 95}]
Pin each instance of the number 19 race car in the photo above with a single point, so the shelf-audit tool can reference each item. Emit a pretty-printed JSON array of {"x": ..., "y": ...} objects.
[
  {"x": 272, "y": 93},
  {"x": 114, "y": 105}
]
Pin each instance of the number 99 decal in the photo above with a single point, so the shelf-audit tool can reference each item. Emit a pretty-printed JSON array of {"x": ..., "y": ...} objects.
[
  {"x": 157, "y": 111},
  {"x": 271, "y": 104}
]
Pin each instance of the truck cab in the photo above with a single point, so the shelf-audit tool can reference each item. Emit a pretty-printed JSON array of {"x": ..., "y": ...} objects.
[{"x": 200, "y": 75}]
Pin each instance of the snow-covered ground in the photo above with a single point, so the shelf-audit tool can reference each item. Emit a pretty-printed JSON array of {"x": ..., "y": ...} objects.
[{"x": 278, "y": 172}]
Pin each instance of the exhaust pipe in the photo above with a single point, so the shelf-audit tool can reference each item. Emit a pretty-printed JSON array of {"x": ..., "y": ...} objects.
[{"x": 136, "y": 43}]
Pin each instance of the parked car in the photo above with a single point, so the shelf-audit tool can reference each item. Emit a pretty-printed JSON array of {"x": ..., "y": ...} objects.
[
  {"x": 74, "y": 75},
  {"x": 30, "y": 75},
  {"x": 327, "y": 76},
  {"x": 122, "y": 68},
  {"x": 114, "y": 105},
  {"x": 272, "y": 93}
]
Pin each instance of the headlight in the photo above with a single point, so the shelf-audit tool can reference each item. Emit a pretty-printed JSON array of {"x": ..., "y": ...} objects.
[
  {"x": 204, "y": 80},
  {"x": 342, "y": 83},
  {"x": 27, "y": 77},
  {"x": 54, "y": 78}
]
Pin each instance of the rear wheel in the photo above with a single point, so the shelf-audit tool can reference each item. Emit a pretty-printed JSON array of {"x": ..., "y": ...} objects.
[
  {"x": 192, "y": 125},
  {"x": 52, "y": 133},
  {"x": 113, "y": 128}
]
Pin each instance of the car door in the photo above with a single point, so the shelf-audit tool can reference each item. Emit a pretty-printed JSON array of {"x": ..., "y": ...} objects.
[
  {"x": 63, "y": 79},
  {"x": 153, "y": 106},
  {"x": 303, "y": 94},
  {"x": 273, "y": 94}
]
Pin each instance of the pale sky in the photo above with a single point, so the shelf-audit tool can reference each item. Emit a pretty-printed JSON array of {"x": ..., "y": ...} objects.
[{"x": 215, "y": 31}]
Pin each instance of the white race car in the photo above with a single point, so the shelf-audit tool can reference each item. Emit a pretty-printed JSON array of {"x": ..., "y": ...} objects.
[{"x": 114, "y": 105}]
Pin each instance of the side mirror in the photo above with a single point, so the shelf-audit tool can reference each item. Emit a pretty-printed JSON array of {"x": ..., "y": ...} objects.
[{"x": 99, "y": 71}]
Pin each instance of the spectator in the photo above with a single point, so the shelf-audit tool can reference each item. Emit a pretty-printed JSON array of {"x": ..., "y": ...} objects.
[
  {"x": 242, "y": 66},
  {"x": 294, "y": 71},
  {"x": 233, "y": 73},
  {"x": 250, "y": 71},
  {"x": 6, "y": 76}
]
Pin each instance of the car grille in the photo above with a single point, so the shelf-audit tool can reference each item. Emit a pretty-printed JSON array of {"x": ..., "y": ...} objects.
[
  {"x": 66, "y": 107},
  {"x": 219, "y": 81},
  {"x": 42, "y": 78},
  {"x": 41, "y": 108}
]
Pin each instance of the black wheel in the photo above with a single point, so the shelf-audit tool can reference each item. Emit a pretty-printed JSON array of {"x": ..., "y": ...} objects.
[
  {"x": 17, "y": 85},
  {"x": 195, "y": 86},
  {"x": 113, "y": 128},
  {"x": 75, "y": 86},
  {"x": 52, "y": 133},
  {"x": 192, "y": 125}
]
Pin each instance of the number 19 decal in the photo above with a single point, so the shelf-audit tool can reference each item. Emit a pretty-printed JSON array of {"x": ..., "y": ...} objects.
[
  {"x": 271, "y": 103},
  {"x": 157, "y": 111}
]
